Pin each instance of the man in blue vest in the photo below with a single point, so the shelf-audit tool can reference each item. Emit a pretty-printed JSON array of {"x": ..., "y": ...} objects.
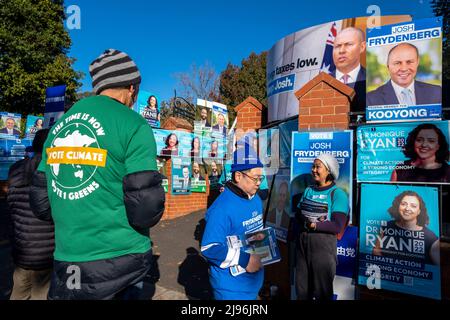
[{"x": 234, "y": 273}]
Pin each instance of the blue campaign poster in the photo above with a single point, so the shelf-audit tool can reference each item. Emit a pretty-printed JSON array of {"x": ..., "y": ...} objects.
[
  {"x": 404, "y": 72},
  {"x": 404, "y": 153},
  {"x": 173, "y": 143},
  {"x": 147, "y": 106},
  {"x": 34, "y": 124},
  {"x": 10, "y": 125},
  {"x": 181, "y": 175},
  {"x": 54, "y": 105},
  {"x": 347, "y": 249},
  {"x": 11, "y": 151},
  {"x": 306, "y": 146},
  {"x": 399, "y": 239},
  {"x": 213, "y": 146},
  {"x": 346, "y": 269},
  {"x": 219, "y": 119}
]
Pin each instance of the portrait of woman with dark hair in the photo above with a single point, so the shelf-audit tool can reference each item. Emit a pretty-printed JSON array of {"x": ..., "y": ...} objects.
[
  {"x": 171, "y": 148},
  {"x": 151, "y": 112},
  {"x": 214, "y": 152},
  {"x": 195, "y": 147},
  {"x": 36, "y": 126},
  {"x": 427, "y": 148},
  {"x": 409, "y": 226},
  {"x": 322, "y": 214}
]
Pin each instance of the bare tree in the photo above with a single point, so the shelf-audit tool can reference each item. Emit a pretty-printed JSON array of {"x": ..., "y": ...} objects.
[{"x": 200, "y": 82}]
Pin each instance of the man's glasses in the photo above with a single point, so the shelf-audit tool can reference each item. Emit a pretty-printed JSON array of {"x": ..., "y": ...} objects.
[{"x": 255, "y": 180}]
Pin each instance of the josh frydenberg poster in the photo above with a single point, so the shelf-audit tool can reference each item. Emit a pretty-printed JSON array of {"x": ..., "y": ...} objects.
[
  {"x": 54, "y": 105},
  {"x": 404, "y": 153},
  {"x": 10, "y": 125},
  {"x": 399, "y": 239},
  {"x": 404, "y": 76},
  {"x": 297, "y": 58},
  {"x": 147, "y": 106},
  {"x": 181, "y": 175},
  {"x": 306, "y": 146}
]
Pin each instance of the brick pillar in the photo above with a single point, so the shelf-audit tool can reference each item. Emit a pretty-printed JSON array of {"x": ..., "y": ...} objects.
[
  {"x": 180, "y": 205},
  {"x": 324, "y": 102},
  {"x": 249, "y": 115}
]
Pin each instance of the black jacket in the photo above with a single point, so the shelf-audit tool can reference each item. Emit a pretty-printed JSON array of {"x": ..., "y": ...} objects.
[
  {"x": 144, "y": 199},
  {"x": 33, "y": 241}
]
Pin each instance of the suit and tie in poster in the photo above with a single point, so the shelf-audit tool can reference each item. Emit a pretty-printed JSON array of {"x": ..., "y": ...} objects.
[
  {"x": 203, "y": 115},
  {"x": 336, "y": 48},
  {"x": 219, "y": 120},
  {"x": 181, "y": 175},
  {"x": 211, "y": 117},
  {"x": 10, "y": 125},
  {"x": 399, "y": 239},
  {"x": 198, "y": 182},
  {"x": 404, "y": 76}
]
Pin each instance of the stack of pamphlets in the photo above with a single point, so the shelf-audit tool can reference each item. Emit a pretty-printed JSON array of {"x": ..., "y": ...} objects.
[{"x": 262, "y": 242}]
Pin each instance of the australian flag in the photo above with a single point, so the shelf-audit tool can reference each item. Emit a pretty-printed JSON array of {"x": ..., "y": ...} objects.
[{"x": 327, "y": 61}]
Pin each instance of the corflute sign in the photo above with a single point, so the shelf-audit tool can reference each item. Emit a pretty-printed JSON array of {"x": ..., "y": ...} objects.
[{"x": 404, "y": 72}]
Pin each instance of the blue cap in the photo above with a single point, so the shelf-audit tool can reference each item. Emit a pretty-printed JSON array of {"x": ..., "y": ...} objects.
[{"x": 245, "y": 159}]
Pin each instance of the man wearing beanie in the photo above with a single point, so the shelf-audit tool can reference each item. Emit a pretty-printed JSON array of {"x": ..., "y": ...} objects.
[
  {"x": 104, "y": 189},
  {"x": 322, "y": 214},
  {"x": 236, "y": 211}
]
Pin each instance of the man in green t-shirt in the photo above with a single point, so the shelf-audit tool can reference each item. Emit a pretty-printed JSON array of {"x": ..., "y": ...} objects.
[{"x": 98, "y": 181}]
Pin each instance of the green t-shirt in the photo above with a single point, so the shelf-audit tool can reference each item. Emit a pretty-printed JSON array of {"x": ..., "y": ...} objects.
[{"x": 87, "y": 154}]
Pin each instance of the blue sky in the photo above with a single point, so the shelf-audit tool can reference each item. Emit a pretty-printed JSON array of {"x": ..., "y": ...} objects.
[{"x": 165, "y": 37}]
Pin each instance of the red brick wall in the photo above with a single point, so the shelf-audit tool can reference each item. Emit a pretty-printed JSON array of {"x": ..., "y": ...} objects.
[
  {"x": 249, "y": 116},
  {"x": 180, "y": 205},
  {"x": 324, "y": 102}
]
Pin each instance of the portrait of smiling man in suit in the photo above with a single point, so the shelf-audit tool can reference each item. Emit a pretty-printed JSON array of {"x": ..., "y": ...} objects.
[{"x": 402, "y": 88}]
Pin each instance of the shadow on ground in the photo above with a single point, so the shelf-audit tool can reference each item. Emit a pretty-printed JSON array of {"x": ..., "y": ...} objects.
[{"x": 194, "y": 277}]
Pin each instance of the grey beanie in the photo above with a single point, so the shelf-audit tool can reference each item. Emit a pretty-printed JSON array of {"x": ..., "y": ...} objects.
[
  {"x": 330, "y": 163},
  {"x": 113, "y": 69}
]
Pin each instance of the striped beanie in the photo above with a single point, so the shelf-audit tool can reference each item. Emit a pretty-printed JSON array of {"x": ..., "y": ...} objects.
[{"x": 113, "y": 69}]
